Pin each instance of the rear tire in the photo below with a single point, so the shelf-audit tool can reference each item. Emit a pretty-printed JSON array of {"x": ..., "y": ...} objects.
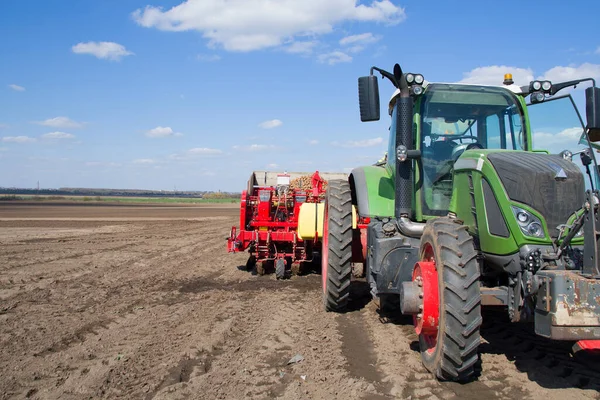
[
  {"x": 280, "y": 268},
  {"x": 337, "y": 246},
  {"x": 452, "y": 355}
]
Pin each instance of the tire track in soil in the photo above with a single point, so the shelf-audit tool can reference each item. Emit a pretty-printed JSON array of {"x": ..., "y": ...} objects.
[
  {"x": 171, "y": 318},
  {"x": 515, "y": 363},
  {"x": 68, "y": 340}
]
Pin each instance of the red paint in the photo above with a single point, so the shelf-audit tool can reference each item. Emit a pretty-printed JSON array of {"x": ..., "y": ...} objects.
[
  {"x": 269, "y": 222},
  {"x": 427, "y": 321},
  {"x": 589, "y": 345},
  {"x": 243, "y": 209},
  {"x": 318, "y": 184}
]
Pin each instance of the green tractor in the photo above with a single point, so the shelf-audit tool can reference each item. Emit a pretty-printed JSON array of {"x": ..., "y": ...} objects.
[{"x": 464, "y": 214}]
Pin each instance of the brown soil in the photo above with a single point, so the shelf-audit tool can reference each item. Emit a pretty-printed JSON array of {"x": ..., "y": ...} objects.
[{"x": 142, "y": 302}]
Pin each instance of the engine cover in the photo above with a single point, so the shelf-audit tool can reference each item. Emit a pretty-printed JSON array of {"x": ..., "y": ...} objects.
[{"x": 548, "y": 183}]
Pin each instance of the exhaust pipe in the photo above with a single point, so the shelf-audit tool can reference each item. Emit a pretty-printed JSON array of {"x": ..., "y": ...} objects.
[{"x": 404, "y": 169}]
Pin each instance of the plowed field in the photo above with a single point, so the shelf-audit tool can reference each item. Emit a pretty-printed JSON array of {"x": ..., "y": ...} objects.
[{"x": 144, "y": 302}]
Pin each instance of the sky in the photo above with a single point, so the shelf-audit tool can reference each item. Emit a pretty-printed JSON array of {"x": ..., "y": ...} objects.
[{"x": 196, "y": 94}]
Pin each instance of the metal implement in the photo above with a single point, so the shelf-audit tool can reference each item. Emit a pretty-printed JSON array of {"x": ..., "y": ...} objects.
[{"x": 269, "y": 215}]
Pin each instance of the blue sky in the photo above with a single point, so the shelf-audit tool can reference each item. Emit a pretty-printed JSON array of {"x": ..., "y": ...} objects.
[{"x": 159, "y": 94}]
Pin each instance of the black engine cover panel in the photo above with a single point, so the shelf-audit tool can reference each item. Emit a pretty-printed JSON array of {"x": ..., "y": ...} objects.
[{"x": 539, "y": 181}]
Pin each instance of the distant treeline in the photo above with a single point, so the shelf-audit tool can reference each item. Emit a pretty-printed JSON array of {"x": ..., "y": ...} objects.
[{"x": 118, "y": 193}]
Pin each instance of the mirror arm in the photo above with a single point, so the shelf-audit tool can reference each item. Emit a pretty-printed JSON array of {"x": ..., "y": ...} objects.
[
  {"x": 386, "y": 74},
  {"x": 560, "y": 86}
]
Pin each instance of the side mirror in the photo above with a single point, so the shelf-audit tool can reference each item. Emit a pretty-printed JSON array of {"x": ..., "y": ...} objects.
[
  {"x": 368, "y": 98},
  {"x": 592, "y": 110}
]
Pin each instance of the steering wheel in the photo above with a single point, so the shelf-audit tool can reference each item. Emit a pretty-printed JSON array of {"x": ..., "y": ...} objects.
[
  {"x": 476, "y": 145},
  {"x": 475, "y": 138},
  {"x": 461, "y": 148}
]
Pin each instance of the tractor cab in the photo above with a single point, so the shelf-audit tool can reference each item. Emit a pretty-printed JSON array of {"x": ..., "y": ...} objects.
[{"x": 452, "y": 119}]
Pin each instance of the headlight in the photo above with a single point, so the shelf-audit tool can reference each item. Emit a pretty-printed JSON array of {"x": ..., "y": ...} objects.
[
  {"x": 419, "y": 79},
  {"x": 530, "y": 225},
  {"x": 410, "y": 78},
  {"x": 537, "y": 85},
  {"x": 537, "y": 97},
  {"x": 567, "y": 155},
  {"x": 523, "y": 217},
  {"x": 546, "y": 85}
]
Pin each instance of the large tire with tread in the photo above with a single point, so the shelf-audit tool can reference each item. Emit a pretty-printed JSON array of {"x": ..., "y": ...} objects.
[
  {"x": 454, "y": 354},
  {"x": 336, "y": 267},
  {"x": 280, "y": 268}
]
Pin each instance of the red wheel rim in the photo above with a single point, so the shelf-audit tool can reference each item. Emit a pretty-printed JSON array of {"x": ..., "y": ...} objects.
[
  {"x": 427, "y": 320},
  {"x": 325, "y": 248}
]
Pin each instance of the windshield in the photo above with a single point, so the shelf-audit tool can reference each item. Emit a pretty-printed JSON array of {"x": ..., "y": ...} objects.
[{"x": 455, "y": 118}]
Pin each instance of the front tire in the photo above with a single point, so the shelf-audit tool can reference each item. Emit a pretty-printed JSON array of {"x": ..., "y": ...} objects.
[
  {"x": 451, "y": 352},
  {"x": 336, "y": 260}
]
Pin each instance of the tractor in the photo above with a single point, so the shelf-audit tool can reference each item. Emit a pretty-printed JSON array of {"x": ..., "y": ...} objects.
[{"x": 464, "y": 213}]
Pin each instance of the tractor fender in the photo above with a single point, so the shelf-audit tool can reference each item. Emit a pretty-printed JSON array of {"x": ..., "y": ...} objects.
[{"x": 372, "y": 191}]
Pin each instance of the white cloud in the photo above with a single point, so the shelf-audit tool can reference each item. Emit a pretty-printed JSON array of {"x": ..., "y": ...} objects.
[
  {"x": 360, "y": 143},
  {"x": 254, "y": 147},
  {"x": 60, "y": 122},
  {"x": 202, "y": 151},
  {"x": 18, "y": 139},
  {"x": 270, "y": 124},
  {"x": 247, "y": 25},
  {"x": 334, "y": 57},
  {"x": 145, "y": 161},
  {"x": 301, "y": 47},
  {"x": 566, "y": 139},
  {"x": 272, "y": 166},
  {"x": 196, "y": 152},
  {"x": 494, "y": 75},
  {"x": 4, "y": 126},
  {"x": 208, "y": 57},
  {"x": 562, "y": 74},
  {"x": 58, "y": 135},
  {"x": 357, "y": 43},
  {"x": 16, "y": 87},
  {"x": 162, "y": 131},
  {"x": 103, "y": 50},
  {"x": 598, "y": 50},
  {"x": 313, "y": 142},
  {"x": 102, "y": 164}
]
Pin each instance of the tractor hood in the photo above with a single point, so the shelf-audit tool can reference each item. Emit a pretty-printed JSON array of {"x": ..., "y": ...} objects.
[{"x": 551, "y": 185}]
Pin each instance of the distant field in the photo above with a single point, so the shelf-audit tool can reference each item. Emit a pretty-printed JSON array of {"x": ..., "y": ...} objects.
[{"x": 118, "y": 199}]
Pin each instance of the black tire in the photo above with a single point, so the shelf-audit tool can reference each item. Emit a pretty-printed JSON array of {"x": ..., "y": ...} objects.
[
  {"x": 280, "y": 268},
  {"x": 337, "y": 254},
  {"x": 251, "y": 263},
  {"x": 455, "y": 353}
]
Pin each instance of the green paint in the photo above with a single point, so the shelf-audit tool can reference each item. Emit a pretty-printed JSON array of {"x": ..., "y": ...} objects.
[
  {"x": 380, "y": 191},
  {"x": 467, "y": 189}
]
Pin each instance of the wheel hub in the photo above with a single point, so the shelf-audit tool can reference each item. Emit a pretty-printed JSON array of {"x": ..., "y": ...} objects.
[{"x": 426, "y": 320}]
